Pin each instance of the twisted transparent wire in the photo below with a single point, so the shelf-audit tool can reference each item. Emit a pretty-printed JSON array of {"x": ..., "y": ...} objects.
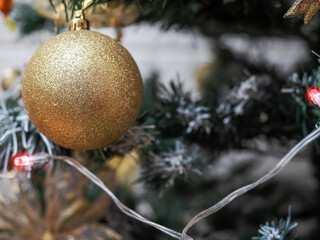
[
  {"x": 183, "y": 236},
  {"x": 129, "y": 212},
  {"x": 237, "y": 193}
]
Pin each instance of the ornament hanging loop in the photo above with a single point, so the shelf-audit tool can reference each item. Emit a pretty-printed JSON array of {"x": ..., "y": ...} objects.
[{"x": 79, "y": 22}]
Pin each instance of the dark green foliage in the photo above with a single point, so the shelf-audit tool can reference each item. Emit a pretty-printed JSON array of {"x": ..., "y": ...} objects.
[
  {"x": 212, "y": 18},
  {"x": 182, "y": 162},
  {"x": 179, "y": 121},
  {"x": 29, "y": 20},
  {"x": 137, "y": 137},
  {"x": 233, "y": 117},
  {"x": 306, "y": 114},
  {"x": 18, "y": 134},
  {"x": 217, "y": 17},
  {"x": 174, "y": 112},
  {"x": 230, "y": 120}
]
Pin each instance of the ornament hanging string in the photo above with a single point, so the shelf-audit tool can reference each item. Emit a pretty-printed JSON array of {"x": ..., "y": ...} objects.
[
  {"x": 183, "y": 236},
  {"x": 84, "y": 6}
]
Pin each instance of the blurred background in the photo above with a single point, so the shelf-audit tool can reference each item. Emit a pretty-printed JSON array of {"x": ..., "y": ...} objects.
[
  {"x": 225, "y": 98},
  {"x": 170, "y": 53}
]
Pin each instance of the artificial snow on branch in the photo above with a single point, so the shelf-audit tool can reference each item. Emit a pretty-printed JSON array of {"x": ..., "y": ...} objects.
[{"x": 280, "y": 231}]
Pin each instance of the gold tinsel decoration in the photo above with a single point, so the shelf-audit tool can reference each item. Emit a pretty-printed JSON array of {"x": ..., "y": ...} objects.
[
  {"x": 114, "y": 14},
  {"x": 82, "y": 89},
  {"x": 117, "y": 13},
  {"x": 44, "y": 9},
  {"x": 9, "y": 78},
  {"x": 308, "y": 8}
]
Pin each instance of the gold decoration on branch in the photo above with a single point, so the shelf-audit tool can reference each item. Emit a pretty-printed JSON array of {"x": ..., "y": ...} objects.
[
  {"x": 69, "y": 208},
  {"x": 116, "y": 13},
  {"x": 9, "y": 78},
  {"x": 82, "y": 89},
  {"x": 44, "y": 9},
  {"x": 308, "y": 8}
]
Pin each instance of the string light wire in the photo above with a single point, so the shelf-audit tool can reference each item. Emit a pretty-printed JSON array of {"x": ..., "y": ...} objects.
[
  {"x": 129, "y": 212},
  {"x": 182, "y": 236},
  {"x": 237, "y": 193}
]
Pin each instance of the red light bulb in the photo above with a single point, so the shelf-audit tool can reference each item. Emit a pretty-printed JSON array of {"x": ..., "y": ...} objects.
[
  {"x": 21, "y": 161},
  {"x": 314, "y": 96}
]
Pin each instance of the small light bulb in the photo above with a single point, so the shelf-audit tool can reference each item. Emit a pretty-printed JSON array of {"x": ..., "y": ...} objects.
[
  {"x": 21, "y": 161},
  {"x": 314, "y": 96}
]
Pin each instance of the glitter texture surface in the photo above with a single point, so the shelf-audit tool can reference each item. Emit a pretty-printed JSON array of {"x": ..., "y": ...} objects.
[
  {"x": 82, "y": 89},
  {"x": 308, "y": 8}
]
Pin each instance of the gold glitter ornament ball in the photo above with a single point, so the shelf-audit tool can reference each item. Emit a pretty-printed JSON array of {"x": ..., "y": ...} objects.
[{"x": 82, "y": 90}]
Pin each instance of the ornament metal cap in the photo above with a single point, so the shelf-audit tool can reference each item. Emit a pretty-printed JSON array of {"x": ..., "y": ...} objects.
[{"x": 79, "y": 22}]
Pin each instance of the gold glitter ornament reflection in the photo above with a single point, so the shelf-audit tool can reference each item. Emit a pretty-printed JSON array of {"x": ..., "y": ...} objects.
[{"x": 82, "y": 89}]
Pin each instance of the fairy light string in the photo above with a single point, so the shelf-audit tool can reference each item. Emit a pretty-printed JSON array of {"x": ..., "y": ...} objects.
[
  {"x": 41, "y": 157},
  {"x": 237, "y": 193},
  {"x": 38, "y": 158}
]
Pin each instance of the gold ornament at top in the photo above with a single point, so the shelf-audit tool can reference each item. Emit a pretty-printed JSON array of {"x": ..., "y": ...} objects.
[
  {"x": 308, "y": 8},
  {"x": 82, "y": 89},
  {"x": 113, "y": 14}
]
